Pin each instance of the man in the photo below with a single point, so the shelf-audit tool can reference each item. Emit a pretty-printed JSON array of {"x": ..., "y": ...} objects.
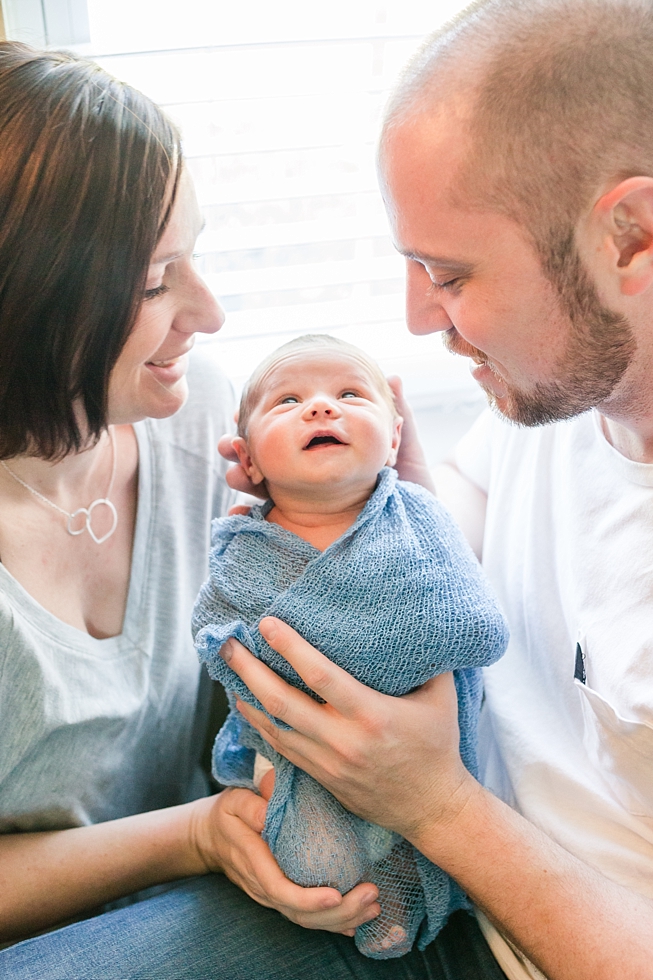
[{"x": 517, "y": 166}]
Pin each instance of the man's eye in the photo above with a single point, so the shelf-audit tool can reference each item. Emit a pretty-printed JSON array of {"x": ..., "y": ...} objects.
[
  {"x": 289, "y": 400},
  {"x": 157, "y": 291},
  {"x": 450, "y": 284}
]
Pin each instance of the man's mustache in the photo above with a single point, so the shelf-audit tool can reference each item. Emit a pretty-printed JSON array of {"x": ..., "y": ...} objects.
[{"x": 456, "y": 345}]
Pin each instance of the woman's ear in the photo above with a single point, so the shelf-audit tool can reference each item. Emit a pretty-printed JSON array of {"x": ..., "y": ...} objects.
[
  {"x": 396, "y": 441},
  {"x": 246, "y": 461},
  {"x": 623, "y": 218}
]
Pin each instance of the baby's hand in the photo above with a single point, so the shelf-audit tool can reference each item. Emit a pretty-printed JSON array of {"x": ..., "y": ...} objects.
[
  {"x": 411, "y": 462},
  {"x": 236, "y": 477}
]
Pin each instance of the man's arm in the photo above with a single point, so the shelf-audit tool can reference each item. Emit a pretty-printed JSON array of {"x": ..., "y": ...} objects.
[
  {"x": 395, "y": 761},
  {"x": 465, "y": 501}
]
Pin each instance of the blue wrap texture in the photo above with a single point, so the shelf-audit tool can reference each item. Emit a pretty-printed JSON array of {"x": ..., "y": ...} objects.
[{"x": 395, "y": 600}]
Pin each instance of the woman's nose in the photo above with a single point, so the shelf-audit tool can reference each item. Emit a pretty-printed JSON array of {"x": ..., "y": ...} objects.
[{"x": 200, "y": 312}]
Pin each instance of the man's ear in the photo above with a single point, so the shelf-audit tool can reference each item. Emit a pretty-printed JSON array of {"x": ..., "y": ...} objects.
[
  {"x": 245, "y": 459},
  {"x": 624, "y": 220},
  {"x": 396, "y": 440}
]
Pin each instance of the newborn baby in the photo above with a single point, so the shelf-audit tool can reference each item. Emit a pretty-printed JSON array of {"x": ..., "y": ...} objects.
[{"x": 371, "y": 571}]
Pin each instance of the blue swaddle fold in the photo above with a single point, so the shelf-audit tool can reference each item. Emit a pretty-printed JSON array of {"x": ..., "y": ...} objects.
[{"x": 395, "y": 600}]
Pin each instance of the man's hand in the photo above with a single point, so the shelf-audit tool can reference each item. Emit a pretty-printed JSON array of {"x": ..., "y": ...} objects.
[
  {"x": 393, "y": 761},
  {"x": 411, "y": 462},
  {"x": 227, "y": 830}
]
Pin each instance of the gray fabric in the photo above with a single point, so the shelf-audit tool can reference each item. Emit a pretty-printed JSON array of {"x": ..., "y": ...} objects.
[{"x": 91, "y": 730}]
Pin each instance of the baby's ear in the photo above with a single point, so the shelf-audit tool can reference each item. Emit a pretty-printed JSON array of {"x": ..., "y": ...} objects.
[{"x": 244, "y": 458}]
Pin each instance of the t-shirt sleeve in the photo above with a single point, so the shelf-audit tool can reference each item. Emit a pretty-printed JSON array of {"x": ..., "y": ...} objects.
[{"x": 473, "y": 454}]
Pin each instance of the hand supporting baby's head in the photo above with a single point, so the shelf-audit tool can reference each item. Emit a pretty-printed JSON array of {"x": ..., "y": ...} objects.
[{"x": 317, "y": 423}]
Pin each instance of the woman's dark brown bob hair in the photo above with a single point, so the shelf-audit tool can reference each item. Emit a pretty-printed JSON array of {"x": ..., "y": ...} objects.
[{"x": 88, "y": 174}]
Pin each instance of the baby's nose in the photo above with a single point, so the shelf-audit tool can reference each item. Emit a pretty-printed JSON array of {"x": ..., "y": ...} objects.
[{"x": 321, "y": 405}]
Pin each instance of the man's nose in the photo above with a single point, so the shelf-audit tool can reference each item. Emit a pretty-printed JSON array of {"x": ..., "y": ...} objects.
[{"x": 424, "y": 313}]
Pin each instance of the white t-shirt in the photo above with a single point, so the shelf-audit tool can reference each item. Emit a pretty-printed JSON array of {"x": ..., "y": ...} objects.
[
  {"x": 90, "y": 729},
  {"x": 567, "y": 734}
]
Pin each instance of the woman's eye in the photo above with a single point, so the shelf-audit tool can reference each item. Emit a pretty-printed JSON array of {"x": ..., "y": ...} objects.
[
  {"x": 156, "y": 291},
  {"x": 289, "y": 400}
]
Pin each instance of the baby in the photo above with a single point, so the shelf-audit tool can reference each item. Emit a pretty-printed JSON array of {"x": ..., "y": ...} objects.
[{"x": 371, "y": 571}]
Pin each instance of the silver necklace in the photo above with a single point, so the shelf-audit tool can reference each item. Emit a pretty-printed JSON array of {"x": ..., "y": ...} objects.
[{"x": 86, "y": 512}]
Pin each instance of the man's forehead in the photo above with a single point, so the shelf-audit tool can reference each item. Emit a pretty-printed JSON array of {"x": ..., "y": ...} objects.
[
  {"x": 419, "y": 170},
  {"x": 428, "y": 142},
  {"x": 433, "y": 218}
]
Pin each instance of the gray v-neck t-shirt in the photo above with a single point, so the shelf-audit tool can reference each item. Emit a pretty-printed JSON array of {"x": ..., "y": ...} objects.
[{"x": 92, "y": 730}]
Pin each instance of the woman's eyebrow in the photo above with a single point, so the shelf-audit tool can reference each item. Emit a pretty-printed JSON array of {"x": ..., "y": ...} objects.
[{"x": 163, "y": 259}]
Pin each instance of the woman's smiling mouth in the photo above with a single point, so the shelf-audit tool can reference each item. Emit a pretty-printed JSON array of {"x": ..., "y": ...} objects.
[{"x": 170, "y": 370}]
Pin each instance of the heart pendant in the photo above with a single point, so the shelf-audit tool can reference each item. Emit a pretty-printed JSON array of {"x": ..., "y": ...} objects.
[
  {"x": 104, "y": 502},
  {"x": 88, "y": 517}
]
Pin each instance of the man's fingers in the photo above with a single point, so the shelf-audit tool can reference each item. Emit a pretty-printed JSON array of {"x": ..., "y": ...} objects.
[
  {"x": 302, "y": 750},
  {"x": 277, "y": 697},
  {"x": 397, "y": 389},
  {"x": 330, "y": 682}
]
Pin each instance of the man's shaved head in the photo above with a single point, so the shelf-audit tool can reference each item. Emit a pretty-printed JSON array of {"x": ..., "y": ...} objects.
[
  {"x": 550, "y": 103},
  {"x": 559, "y": 98}
]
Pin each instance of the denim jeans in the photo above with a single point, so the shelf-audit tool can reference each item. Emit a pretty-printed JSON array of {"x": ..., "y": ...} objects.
[{"x": 207, "y": 929}]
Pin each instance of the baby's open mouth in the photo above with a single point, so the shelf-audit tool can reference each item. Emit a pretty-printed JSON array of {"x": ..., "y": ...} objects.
[{"x": 323, "y": 441}]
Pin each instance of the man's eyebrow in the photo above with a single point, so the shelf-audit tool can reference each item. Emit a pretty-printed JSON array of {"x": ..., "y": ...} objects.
[{"x": 440, "y": 261}]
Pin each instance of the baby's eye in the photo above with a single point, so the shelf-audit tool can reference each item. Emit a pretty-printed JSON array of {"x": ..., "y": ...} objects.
[
  {"x": 350, "y": 394},
  {"x": 289, "y": 400}
]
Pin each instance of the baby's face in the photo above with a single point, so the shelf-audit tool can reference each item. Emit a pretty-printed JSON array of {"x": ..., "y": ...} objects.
[{"x": 321, "y": 420}]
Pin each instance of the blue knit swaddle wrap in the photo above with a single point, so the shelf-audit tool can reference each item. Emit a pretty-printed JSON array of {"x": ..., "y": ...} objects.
[{"x": 395, "y": 600}]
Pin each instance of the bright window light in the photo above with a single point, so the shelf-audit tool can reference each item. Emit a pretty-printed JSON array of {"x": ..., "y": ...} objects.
[{"x": 279, "y": 107}]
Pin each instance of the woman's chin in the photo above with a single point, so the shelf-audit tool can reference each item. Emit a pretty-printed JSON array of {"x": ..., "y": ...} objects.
[
  {"x": 152, "y": 401},
  {"x": 168, "y": 401}
]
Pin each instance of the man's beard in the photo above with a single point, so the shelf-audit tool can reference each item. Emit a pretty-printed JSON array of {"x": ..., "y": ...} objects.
[{"x": 600, "y": 347}]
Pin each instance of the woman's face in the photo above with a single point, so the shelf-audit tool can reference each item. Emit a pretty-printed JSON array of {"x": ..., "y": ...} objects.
[{"x": 149, "y": 378}]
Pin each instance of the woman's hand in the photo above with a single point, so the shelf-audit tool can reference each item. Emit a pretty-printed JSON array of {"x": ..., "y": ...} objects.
[
  {"x": 227, "y": 832},
  {"x": 235, "y": 476},
  {"x": 394, "y": 761}
]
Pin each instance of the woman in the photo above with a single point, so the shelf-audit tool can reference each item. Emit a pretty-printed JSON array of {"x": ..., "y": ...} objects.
[{"x": 108, "y": 482}]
